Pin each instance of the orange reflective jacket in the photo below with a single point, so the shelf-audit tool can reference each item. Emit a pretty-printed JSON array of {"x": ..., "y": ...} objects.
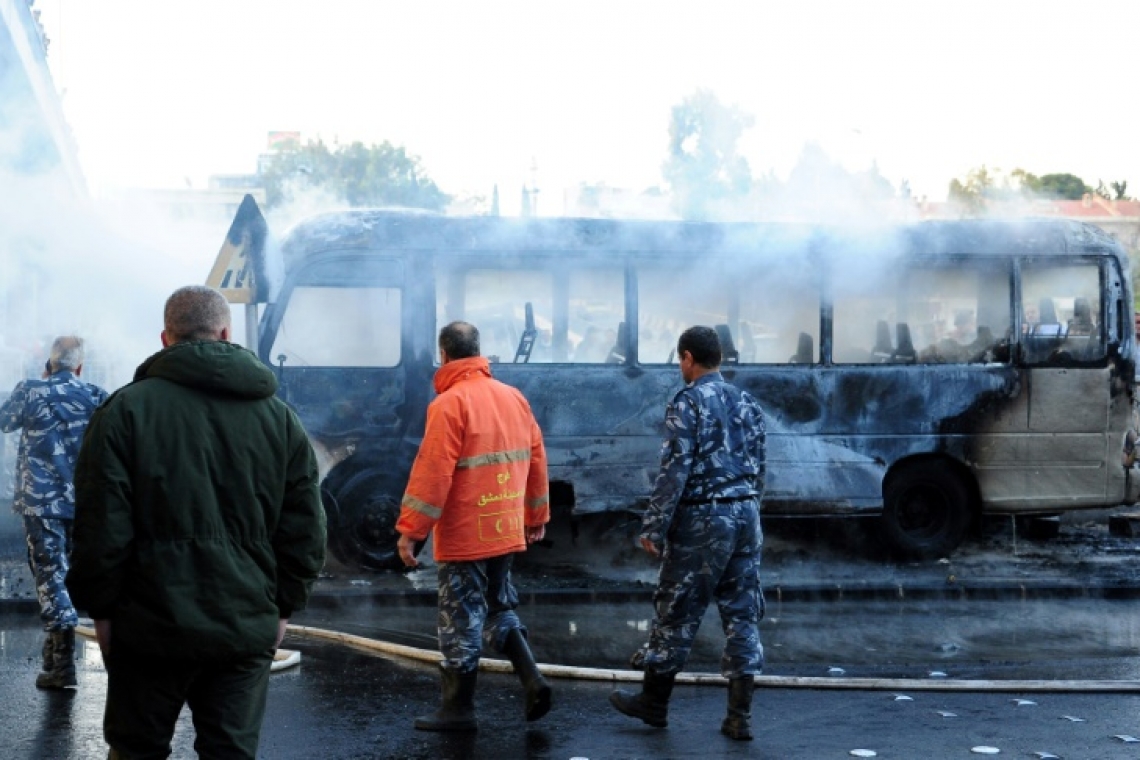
[{"x": 480, "y": 475}]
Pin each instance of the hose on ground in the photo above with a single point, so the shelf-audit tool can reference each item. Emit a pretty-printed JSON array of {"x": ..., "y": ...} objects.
[{"x": 715, "y": 679}]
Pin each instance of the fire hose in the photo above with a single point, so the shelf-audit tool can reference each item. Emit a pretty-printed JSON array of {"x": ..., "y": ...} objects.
[
  {"x": 287, "y": 658},
  {"x": 715, "y": 679}
]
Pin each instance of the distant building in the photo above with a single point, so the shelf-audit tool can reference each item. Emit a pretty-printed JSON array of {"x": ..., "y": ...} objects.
[{"x": 35, "y": 139}]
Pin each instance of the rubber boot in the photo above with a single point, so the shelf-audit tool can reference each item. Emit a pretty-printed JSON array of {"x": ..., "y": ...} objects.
[
  {"x": 537, "y": 688},
  {"x": 737, "y": 725},
  {"x": 457, "y": 713},
  {"x": 47, "y": 653},
  {"x": 652, "y": 704},
  {"x": 62, "y": 673}
]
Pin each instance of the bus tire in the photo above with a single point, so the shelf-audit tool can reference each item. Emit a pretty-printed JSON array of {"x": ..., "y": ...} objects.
[
  {"x": 926, "y": 511},
  {"x": 362, "y": 508}
]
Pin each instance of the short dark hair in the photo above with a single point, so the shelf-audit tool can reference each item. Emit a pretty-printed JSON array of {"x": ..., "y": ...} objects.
[
  {"x": 459, "y": 340},
  {"x": 195, "y": 312},
  {"x": 703, "y": 343}
]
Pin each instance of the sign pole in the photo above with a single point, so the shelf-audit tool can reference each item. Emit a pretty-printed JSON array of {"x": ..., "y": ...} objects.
[{"x": 251, "y": 327}]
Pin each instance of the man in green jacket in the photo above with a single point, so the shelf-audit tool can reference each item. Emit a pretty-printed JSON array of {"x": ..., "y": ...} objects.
[{"x": 198, "y": 531}]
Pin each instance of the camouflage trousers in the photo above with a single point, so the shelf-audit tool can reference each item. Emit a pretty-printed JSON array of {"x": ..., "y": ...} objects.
[
  {"x": 49, "y": 557},
  {"x": 712, "y": 552},
  {"x": 477, "y": 604}
]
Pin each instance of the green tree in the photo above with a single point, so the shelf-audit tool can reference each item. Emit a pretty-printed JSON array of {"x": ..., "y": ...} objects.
[
  {"x": 360, "y": 175},
  {"x": 1057, "y": 186},
  {"x": 703, "y": 167},
  {"x": 979, "y": 188}
]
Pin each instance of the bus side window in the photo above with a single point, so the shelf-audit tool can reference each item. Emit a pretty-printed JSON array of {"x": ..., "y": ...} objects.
[{"x": 1060, "y": 307}]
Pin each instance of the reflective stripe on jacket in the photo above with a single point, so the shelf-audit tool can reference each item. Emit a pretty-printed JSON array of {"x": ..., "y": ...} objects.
[{"x": 480, "y": 475}]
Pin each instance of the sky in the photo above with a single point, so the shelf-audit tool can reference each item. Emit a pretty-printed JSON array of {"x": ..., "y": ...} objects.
[{"x": 164, "y": 93}]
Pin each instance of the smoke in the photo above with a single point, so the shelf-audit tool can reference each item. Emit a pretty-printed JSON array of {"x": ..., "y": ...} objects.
[{"x": 100, "y": 269}]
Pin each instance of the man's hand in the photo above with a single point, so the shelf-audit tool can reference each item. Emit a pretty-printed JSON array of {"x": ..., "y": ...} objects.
[
  {"x": 649, "y": 546},
  {"x": 406, "y": 547},
  {"x": 535, "y": 534},
  {"x": 103, "y": 636},
  {"x": 281, "y": 624}
]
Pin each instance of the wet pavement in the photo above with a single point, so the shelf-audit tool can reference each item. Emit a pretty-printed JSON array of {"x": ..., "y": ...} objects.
[
  {"x": 861, "y": 654},
  {"x": 344, "y": 702}
]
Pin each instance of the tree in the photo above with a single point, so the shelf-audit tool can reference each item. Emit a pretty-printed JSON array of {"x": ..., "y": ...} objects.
[
  {"x": 374, "y": 175},
  {"x": 1056, "y": 186},
  {"x": 979, "y": 188},
  {"x": 703, "y": 167}
]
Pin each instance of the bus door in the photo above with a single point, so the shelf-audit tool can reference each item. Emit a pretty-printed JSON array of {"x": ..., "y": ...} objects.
[{"x": 1060, "y": 460}]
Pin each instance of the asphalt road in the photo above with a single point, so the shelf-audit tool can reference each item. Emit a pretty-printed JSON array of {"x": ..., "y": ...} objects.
[{"x": 343, "y": 702}]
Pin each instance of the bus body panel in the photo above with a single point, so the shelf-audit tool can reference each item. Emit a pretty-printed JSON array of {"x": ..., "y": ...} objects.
[{"x": 1024, "y": 435}]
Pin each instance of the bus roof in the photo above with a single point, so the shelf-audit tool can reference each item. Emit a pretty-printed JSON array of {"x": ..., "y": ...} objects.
[{"x": 386, "y": 229}]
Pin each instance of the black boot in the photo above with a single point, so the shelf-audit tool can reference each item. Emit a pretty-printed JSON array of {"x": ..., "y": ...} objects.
[
  {"x": 652, "y": 704},
  {"x": 62, "y": 673},
  {"x": 47, "y": 653},
  {"x": 457, "y": 713},
  {"x": 737, "y": 725},
  {"x": 537, "y": 689}
]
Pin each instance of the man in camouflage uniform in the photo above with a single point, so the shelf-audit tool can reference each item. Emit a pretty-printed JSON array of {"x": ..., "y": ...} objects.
[
  {"x": 53, "y": 413},
  {"x": 704, "y": 520}
]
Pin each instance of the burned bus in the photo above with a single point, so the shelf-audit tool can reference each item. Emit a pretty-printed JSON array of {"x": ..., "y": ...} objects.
[{"x": 925, "y": 374}]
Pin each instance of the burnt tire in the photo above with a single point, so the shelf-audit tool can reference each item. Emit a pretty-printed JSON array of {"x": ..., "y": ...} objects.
[
  {"x": 362, "y": 508},
  {"x": 926, "y": 511}
]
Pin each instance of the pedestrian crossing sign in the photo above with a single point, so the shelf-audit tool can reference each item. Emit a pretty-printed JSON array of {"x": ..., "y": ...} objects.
[{"x": 239, "y": 271}]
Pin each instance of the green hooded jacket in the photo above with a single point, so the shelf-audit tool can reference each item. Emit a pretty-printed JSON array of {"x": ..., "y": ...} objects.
[{"x": 198, "y": 519}]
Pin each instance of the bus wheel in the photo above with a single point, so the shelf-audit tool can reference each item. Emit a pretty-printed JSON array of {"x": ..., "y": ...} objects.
[
  {"x": 926, "y": 511},
  {"x": 362, "y": 511}
]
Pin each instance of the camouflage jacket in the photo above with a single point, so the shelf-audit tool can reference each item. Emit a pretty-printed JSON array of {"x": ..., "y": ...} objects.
[
  {"x": 714, "y": 449},
  {"x": 53, "y": 414}
]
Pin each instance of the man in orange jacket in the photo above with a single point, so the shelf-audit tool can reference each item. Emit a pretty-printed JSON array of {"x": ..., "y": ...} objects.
[{"x": 480, "y": 481}]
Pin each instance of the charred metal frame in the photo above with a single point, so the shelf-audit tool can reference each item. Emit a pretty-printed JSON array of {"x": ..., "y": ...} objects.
[{"x": 928, "y": 447}]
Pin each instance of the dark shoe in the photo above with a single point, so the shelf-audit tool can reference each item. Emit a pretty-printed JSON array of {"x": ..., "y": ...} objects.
[
  {"x": 738, "y": 723},
  {"x": 62, "y": 673},
  {"x": 652, "y": 704},
  {"x": 47, "y": 653},
  {"x": 537, "y": 689},
  {"x": 457, "y": 713}
]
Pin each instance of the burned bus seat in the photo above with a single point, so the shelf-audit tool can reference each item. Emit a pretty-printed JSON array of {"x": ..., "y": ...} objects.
[
  {"x": 904, "y": 353},
  {"x": 982, "y": 349},
  {"x": 883, "y": 349},
  {"x": 620, "y": 349},
  {"x": 1082, "y": 321},
  {"x": 804, "y": 350},
  {"x": 526, "y": 341},
  {"x": 728, "y": 352},
  {"x": 748, "y": 342}
]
